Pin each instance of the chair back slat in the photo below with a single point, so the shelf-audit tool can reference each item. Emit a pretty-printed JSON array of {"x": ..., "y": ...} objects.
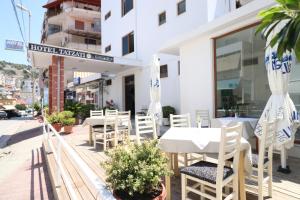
[
  {"x": 95, "y": 113},
  {"x": 145, "y": 125},
  {"x": 202, "y": 118},
  {"x": 182, "y": 121},
  {"x": 229, "y": 148},
  {"x": 111, "y": 112},
  {"x": 266, "y": 142}
]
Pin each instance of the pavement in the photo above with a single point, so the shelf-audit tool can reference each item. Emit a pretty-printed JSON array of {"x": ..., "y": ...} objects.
[{"x": 23, "y": 172}]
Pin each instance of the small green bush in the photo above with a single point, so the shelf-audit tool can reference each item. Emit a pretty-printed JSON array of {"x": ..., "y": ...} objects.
[
  {"x": 54, "y": 118},
  {"x": 167, "y": 110},
  {"x": 68, "y": 121},
  {"x": 66, "y": 114},
  {"x": 73, "y": 106},
  {"x": 136, "y": 169},
  {"x": 21, "y": 107}
]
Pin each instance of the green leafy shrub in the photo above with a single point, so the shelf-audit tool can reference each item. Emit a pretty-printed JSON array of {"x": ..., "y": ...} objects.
[
  {"x": 54, "y": 118},
  {"x": 67, "y": 121},
  {"x": 136, "y": 169},
  {"x": 66, "y": 114},
  {"x": 167, "y": 111},
  {"x": 85, "y": 110},
  {"x": 37, "y": 106},
  {"x": 21, "y": 107},
  {"x": 73, "y": 106}
]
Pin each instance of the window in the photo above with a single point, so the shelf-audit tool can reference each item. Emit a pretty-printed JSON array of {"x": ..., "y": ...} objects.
[
  {"x": 79, "y": 25},
  {"x": 241, "y": 78},
  {"x": 108, "y": 48},
  {"x": 53, "y": 28},
  {"x": 128, "y": 43},
  {"x": 107, "y": 15},
  {"x": 162, "y": 18},
  {"x": 90, "y": 41},
  {"x": 127, "y": 5},
  {"x": 108, "y": 82},
  {"x": 163, "y": 71},
  {"x": 181, "y": 7}
]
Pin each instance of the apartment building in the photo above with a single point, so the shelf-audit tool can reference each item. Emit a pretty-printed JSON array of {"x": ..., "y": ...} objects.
[{"x": 73, "y": 24}]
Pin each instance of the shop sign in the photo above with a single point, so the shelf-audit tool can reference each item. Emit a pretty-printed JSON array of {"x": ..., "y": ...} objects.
[
  {"x": 68, "y": 52},
  {"x": 76, "y": 81}
]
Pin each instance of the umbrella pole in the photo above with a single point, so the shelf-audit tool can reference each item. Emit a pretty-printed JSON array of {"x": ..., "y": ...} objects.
[{"x": 283, "y": 157}]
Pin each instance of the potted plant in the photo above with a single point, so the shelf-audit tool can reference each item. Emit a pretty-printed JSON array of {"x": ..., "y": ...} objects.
[
  {"x": 67, "y": 121},
  {"x": 74, "y": 107},
  {"x": 135, "y": 172},
  {"x": 68, "y": 124},
  {"x": 54, "y": 120},
  {"x": 167, "y": 111}
]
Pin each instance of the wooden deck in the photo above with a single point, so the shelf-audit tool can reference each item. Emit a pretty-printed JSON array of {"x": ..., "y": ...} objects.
[{"x": 285, "y": 187}]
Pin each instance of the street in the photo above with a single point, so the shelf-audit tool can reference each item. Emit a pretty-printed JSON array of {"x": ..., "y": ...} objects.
[{"x": 23, "y": 172}]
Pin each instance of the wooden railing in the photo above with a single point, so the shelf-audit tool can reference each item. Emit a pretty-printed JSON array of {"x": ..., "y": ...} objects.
[{"x": 49, "y": 132}]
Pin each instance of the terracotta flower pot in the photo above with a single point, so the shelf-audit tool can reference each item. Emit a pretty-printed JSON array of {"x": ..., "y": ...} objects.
[
  {"x": 56, "y": 126},
  {"x": 162, "y": 196},
  {"x": 68, "y": 129}
]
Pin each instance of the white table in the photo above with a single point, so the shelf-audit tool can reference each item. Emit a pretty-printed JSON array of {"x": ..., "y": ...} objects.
[
  {"x": 203, "y": 140},
  {"x": 93, "y": 121},
  {"x": 249, "y": 124}
]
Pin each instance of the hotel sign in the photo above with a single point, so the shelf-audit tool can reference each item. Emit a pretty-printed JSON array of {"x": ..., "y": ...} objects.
[
  {"x": 14, "y": 45},
  {"x": 68, "y": 52}
]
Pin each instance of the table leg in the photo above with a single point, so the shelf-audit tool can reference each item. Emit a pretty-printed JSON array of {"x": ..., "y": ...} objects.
[
  {"x": 90, "y": 135},
  {"x": 168, "y": 178},
  {"x": 242, "y": 191}
]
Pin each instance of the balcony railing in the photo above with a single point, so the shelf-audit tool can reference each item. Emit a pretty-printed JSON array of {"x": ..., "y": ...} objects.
[
  {"x": 83, "y": 46},
  {"x": 96, "y": 29}
]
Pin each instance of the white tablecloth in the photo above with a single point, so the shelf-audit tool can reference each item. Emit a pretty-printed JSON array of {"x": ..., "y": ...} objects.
[
  {"x": 199, "y": 140},
  {"x": 249, "y": 124},
  {"x": 92, "y": 121}
]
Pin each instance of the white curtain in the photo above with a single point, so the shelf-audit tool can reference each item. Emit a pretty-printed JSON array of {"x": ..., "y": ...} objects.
[{"x": 155, "y": 105}]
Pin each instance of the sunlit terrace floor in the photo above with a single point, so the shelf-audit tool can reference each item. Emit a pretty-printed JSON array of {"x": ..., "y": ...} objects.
[{"x": 285, "y": 187}]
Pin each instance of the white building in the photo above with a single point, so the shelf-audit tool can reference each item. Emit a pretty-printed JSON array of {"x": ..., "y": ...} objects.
[{"x": 137, "y": 29}]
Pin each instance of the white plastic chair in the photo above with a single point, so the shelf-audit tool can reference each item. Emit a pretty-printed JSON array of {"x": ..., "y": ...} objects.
[
  {"x": 145, "y": 125},
  {"x": 183, "y": 121},
  {"x": 95, "y": 113},
  {"x": 202, "y": 118},
  {"x": 213, "y": 177},
  {"x": 263, "y": 161},
  {"x": 123, "y": 125},
  {"x": 111, "y": 112},
  {"x": 107, "y": 133}
]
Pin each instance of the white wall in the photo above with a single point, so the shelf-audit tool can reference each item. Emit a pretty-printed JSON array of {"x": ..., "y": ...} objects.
[
  {"x": 143, "y": 20},
  {"x": 196, "y": 79}
]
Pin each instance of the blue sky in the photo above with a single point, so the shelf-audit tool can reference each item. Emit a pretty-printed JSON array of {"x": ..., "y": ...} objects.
[{"x": 9, "y": 27}]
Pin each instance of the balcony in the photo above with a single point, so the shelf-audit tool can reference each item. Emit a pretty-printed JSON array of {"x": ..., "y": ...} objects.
[
  {"x": 85, "y": 31},
  {"x": 84, "y": 47}
]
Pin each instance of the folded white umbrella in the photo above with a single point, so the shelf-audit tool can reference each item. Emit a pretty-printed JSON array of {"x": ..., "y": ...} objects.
[
  {"x": 155, "y": 105},
  {"x": 279, "y": 107}
]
